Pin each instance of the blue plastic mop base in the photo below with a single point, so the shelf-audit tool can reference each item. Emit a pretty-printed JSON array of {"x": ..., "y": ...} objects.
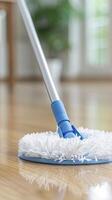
[{"x": 65, "y": 162}]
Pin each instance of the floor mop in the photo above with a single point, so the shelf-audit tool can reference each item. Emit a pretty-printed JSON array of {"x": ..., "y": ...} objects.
[{"x": 68, "y": 145}]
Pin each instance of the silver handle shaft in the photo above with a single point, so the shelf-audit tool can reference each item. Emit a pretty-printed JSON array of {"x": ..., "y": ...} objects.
[{"x": 38, "y": 50}]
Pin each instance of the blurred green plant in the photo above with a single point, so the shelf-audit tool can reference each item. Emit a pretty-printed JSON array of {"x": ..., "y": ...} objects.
[{"x": 51, "y": 22}]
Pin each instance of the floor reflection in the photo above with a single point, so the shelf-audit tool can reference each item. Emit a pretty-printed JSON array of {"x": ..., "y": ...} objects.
[
  {"x": 101, "y": 191},
  {"x": 89, "y": 105},
  {"x": 5, "y": 121},
  {"x": 77, "y": 180}
]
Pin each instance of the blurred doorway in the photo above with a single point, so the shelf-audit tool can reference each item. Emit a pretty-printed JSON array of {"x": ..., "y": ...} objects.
[{"x": 92, "y": 41}]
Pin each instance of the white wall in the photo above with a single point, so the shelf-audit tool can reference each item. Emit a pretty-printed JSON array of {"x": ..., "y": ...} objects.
[{"x": 3, "y": 45}]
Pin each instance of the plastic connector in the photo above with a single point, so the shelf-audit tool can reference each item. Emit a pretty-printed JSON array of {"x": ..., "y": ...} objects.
[{"x": 65, "y": 128}]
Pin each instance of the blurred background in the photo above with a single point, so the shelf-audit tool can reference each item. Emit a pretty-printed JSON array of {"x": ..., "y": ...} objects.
[{"x": 76, "y": 36}]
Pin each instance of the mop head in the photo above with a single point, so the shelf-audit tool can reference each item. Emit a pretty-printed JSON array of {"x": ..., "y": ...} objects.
[{"x": 49, "y": 148}]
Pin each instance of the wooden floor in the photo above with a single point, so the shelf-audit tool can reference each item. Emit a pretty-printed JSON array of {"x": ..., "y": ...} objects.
[{"x": 25, "y": 108}]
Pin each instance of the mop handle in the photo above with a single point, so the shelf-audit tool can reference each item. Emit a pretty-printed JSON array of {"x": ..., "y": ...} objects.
[
  {"x": 65, "y": 129},
  {"x": 38, "y": 50}
]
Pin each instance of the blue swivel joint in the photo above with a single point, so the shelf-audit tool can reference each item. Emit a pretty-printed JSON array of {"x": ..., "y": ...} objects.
[{"x": 65, "y": 128}]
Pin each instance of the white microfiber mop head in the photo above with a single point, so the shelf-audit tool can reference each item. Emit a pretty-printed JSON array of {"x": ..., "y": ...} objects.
[{"x": 48, "y": 145}]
